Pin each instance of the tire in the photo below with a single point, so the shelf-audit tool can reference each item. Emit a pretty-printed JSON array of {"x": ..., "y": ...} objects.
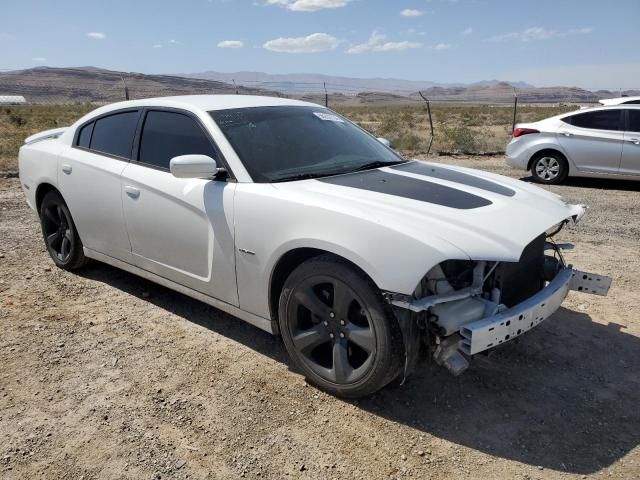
[
  {"x": 549, "y": 168},
  {"x": 59, "y": 232},
  {"x": 337, "y": 328}
]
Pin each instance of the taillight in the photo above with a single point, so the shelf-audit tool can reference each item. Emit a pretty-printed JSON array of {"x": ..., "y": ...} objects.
[{"x": 518, "y": 132}]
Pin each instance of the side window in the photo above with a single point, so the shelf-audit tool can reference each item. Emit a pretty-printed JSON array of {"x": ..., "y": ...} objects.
[
  {"x": 168, "y": 134},
  {"x": 634, "y": 120},
  {"x": 600, "y": 120},
  {"x": 114, "y": 134},
  {"x": 84, "y": 137}
]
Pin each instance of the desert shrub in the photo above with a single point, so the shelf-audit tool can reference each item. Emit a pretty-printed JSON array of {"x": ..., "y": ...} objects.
[
  {"x": 389, "y": 125},
  {"x": 461, "y": 139},
  {"x": 17, "y": 120},
  {"x": 407, "y": 141}
]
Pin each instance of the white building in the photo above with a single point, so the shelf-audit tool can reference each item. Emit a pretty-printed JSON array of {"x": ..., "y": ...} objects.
[{"x": 12, "y": 100}]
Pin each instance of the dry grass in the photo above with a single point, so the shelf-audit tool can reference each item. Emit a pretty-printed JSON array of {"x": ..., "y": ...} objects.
[
  {"x": 18, "y": 122},
  {"x": 458, "y": 128}
]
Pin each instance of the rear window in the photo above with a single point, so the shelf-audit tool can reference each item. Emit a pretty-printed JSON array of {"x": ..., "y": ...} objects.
[
  {"x": 114, "y": 134},
  {"x": 84, "y": 137},
  {"x": 599, "y": 120},
  {"x": 634, "y": 120}
]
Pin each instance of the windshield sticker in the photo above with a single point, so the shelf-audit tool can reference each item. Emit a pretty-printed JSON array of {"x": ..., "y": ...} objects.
[{"x": 328, "y": 117}]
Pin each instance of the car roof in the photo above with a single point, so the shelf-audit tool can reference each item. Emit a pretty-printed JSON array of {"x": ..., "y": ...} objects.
[
  {"x": 209, "y": 102},
  {"x": 618, "y": 100}
]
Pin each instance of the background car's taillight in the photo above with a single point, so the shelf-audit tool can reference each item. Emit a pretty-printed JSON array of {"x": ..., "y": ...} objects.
[{"x": 518, "y": 132}]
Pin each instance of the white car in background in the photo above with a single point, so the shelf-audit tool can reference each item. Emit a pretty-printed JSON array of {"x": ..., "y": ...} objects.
[
  {"x": 288, "y": 216},
  {"x": 594, "y": 142}
]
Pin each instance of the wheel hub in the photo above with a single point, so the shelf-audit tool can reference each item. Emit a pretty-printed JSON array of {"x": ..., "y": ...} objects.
[
  {"x": 332, "y": 332},
  {"x": 547, "y": 168}
]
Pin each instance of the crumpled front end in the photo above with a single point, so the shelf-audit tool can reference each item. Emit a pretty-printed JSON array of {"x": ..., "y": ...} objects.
[{"x": 465, "y": 307}]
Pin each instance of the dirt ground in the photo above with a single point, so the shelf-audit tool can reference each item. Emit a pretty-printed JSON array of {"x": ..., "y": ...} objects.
[{"x": 105, "y": 375}]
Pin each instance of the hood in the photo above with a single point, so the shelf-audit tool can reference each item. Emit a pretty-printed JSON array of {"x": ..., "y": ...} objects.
[{"x": 483, "y": 215}]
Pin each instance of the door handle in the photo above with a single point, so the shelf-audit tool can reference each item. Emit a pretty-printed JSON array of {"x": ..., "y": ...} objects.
[
  {"x": 133, "y": 192},
  {"x": 66, "y": 169},
  {"x": 635, "y": 141},
  {"x": 566, "y": 134}
]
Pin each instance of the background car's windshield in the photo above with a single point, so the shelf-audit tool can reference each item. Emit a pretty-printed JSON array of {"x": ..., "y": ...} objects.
[{"x": 288, "y": 142}]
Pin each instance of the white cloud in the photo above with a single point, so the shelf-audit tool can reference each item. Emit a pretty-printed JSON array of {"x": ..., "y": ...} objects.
[
  {"x": 377, "y": 43},
  {"x": 410, "y": 12},
  {"x": 39, "y": 59},
  {"x": 467, "y": 31},
  {"x": 308, "y": 5},
  {"x": 157, "y": 45},
  {"x": 96, "y": 35},
  {"x": 538, "y": 33},
  {"x": 231, "y": 44},
  {"x": 316, "y": 42},
  {"x": 440, "y": 47},
  {"x": 174, "y": 41}
]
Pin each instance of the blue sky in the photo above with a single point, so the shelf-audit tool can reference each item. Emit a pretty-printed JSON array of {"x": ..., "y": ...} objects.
[{"x": 587, "y": 43}]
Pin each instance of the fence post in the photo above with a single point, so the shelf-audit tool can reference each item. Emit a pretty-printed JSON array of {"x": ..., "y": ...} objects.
[
  {"x": 234, "y": 85},
  {"x": 515, "y": 110},
  {"x": 326, "y": 95},
  {"x": 430, "y": 120},
  {"x": 126, "y": 89}
]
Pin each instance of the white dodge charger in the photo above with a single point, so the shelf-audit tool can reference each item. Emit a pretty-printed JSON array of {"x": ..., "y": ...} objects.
[{"x": 286, "y": 215}]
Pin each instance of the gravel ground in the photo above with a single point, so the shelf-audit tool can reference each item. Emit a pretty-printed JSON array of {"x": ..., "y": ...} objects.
[{"x": 105, "y": 375}]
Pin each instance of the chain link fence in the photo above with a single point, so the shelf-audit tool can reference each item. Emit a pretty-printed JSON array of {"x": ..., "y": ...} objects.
[{"x": 477, "y": 120}]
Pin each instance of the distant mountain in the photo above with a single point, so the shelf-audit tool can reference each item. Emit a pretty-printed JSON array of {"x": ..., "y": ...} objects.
[
  {"x": 91, "y": 84},
  {"x": 296, "y": 83},
  {"x": 493, "y": 83}
]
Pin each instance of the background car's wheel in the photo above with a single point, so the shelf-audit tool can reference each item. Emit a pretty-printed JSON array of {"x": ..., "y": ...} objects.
[
  {"x": 59, "y": 232},
  {"x": 337, "y": 328},
  {"x": 550, "y": 168}
]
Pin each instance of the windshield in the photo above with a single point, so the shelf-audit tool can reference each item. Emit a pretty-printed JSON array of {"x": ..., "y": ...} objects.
[{"x": 295, "y": 142}]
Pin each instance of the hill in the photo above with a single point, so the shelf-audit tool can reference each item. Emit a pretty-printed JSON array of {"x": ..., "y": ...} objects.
[{"x": 90, "y": 84}]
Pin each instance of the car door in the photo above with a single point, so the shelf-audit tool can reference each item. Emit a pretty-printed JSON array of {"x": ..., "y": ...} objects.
[
  {"x": 593, "y": 140},
  {"x": 180, "y": 229},
  {"x": 89, "y": 179},
  {"x": 630, "y": 163}
]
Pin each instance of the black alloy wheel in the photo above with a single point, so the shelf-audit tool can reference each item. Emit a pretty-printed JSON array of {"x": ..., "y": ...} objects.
[
  {"x": 337, "y": 328},
  {"x": 59, "y": 232}
]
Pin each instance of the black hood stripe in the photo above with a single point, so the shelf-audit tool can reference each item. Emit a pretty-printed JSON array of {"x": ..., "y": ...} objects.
[
  {"x": 454, "y": 176},
  {"x": 408, "y": 187}
]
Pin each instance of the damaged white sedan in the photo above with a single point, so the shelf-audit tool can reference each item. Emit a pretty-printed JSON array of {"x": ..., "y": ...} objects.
[{"x": 286, "y": 215}]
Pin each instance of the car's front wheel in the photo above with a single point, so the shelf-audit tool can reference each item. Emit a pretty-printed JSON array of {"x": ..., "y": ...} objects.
[
  {"x": 337, "y": 328},
  {"x": 549, "y": 168},
  {"x": 59, "y": 232}
]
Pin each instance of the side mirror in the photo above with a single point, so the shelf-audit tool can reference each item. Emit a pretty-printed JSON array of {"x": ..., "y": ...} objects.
[
  {"x": 385, "y": 142},
  {"x": 193, "y": 166}
]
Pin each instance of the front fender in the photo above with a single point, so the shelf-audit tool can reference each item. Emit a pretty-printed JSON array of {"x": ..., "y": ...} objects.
[{"x": 393, "y": 260}]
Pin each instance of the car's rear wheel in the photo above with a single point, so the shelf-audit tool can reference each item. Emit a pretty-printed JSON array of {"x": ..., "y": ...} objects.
[
  {"x": 59, "y": 232},
  {"x": 337, "y": 328},
  {"x": 549, "y": 168}
]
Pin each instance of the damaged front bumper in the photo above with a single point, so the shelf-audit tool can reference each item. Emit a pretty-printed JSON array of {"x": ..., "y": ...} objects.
[
  {"x": 506, "y": 325},
  {"x": 501, "y": 324}
]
